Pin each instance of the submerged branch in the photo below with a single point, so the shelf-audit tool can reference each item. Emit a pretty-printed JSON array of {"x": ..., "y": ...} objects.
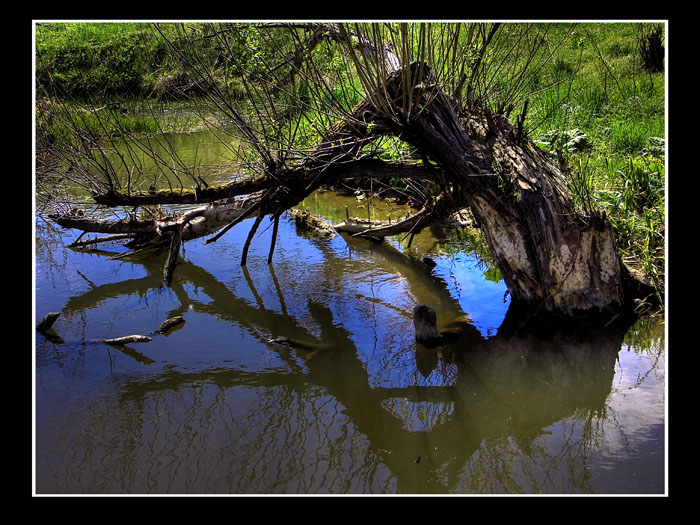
[
  {"x": 412, "y": 224},
  {"x": 97, "y": 240},
  {"x": 119, "y": 341}
]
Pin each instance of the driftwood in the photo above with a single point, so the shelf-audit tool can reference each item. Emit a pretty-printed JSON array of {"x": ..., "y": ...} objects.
[
  {"x": 119, "y": 341},
  {"x": 427, "y": 333},
  {"x": 425, "y": 324},
  {"x": 44, "y": 327},
  {"x": 47, "y": 322},
  {"x": 168, "y": 324},
  {"x": 97, "y": 240},
  {"x": 313, "y": 223},
  {"x": 411, "y": 224}
]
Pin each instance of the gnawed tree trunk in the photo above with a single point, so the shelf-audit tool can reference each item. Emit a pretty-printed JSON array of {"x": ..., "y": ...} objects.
[{"x": 551, "y": 256}]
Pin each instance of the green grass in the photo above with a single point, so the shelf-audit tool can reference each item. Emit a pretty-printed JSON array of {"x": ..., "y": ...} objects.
[
  {"x": 83, "y": 59},
  {"x": 131, "y": 117}
]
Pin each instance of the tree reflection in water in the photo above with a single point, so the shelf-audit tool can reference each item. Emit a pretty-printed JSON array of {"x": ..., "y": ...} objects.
[{"x": 319, "y": 420}]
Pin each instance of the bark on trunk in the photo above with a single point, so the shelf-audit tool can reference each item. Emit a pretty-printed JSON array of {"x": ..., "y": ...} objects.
[{"x": 548, "y": 253}]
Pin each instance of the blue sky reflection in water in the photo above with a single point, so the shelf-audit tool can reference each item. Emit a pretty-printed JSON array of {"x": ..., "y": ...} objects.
[
  {"x": 218, "y": 407},
  {"x": 486, "y": 300}
]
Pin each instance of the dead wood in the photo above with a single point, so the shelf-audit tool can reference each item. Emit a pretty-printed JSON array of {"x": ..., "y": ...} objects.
[
  {"x": 412, "y": 224},
  {"x": 120, "y": 341},
  {"x": 98, "y": 240},
  {"x": 47, "y": 322},
  {"x": 551, "y": 256},
  {"x": 251, "y": 233},
  {"x": 275, "y": 229},
  {"x": 45, "y": 328},
  {"x": 168, "y": 324},
  {"x": 175, "y": 242},
  {"x": 313, "y": 223}
]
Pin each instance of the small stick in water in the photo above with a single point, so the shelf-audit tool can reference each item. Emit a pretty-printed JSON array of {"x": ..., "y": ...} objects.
[
  {"x": 169, "y": 323},
  {"x": 127, "y": 339},
  {"x": 48, "y": 321}
]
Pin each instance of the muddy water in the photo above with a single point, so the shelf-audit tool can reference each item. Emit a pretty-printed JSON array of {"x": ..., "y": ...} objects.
[{"x": 218, "y": 406}]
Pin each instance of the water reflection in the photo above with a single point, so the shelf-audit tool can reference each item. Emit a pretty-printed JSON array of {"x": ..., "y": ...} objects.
[{"x": 354, "y": 406}]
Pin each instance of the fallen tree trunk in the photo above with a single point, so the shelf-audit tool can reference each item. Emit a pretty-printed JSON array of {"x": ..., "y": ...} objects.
[{"x": 551, "y": 256}]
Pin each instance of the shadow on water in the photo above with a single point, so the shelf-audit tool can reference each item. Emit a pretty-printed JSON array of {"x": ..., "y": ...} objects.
[{"x": 313, "y": 419}]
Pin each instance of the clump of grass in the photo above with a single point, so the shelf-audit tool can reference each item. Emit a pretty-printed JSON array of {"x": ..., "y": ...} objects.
[{"x": 631, "y": 191}]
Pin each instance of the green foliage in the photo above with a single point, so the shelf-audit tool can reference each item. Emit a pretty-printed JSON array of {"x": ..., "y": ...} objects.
[
  {"x": 571, "y": 140},
  {"x": 82, "y": 59}
]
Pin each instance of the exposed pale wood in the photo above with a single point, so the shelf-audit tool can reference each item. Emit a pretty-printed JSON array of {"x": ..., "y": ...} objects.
[{"x": 118, "y": 341}]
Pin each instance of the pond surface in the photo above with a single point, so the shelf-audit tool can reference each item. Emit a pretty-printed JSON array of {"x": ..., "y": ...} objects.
[{"x": 217, "y": 406}]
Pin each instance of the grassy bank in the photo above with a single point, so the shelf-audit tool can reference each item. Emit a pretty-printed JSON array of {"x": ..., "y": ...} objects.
[{"x": 81, "y": 60}]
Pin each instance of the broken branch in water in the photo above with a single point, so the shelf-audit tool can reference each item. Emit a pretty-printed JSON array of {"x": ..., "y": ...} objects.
[
  {"x": 175, "y": 243},
  {"x": 168, "y": 324},
  {"x": 412, "y": 224},
  {"x": 47, "y": 322},
  {"x": 127, "y": 339},
  {"x": 313, "y": 223},
  {"x": 96, "y": 240}
]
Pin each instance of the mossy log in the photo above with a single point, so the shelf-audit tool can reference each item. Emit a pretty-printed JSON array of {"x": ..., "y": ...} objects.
[{"x": 310, "y": 222}]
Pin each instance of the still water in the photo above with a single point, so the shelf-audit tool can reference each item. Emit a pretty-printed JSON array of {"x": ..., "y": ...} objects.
[{"x": 217, "y": 407}]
